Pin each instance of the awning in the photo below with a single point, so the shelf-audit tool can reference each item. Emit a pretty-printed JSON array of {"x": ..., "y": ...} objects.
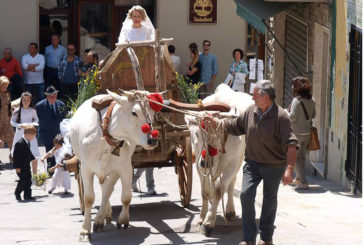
[{"x": 256, "y": 11}]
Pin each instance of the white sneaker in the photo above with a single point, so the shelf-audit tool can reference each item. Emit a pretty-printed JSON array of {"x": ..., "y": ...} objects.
[
  {"x": 134, "y": 187},
  {"x": 152, "y": 192}
]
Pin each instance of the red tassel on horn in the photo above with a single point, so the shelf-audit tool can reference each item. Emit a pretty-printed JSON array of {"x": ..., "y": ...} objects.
[{"x": 156, "y": 97}]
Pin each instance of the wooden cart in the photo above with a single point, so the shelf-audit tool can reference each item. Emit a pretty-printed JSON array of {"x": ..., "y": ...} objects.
[{"x": 147, "y": 66}]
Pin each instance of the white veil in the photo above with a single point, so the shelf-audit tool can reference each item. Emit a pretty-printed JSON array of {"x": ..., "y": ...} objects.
[{"x": 128, "y": 23}]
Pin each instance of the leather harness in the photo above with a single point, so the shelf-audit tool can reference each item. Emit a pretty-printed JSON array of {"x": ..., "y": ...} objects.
[{"x": 104, "y": 123}]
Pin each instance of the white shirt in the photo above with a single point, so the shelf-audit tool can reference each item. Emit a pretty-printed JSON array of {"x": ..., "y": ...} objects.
[
  {"x": 135, "y": 34},
  {"x": 31, "y": 77},
  {"x": 176, "y": 62}
]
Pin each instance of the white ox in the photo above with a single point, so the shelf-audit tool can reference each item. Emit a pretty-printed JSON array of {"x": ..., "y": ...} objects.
[
  {"x": 230, "y": 161},
  {"x": 96, "y": 158}
]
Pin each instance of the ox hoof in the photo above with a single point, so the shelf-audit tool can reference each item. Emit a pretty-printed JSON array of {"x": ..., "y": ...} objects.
[
  {"x": 206, "y": 230},
  {"x": 108, "y": 220},
  {"x": 125, "y": 226},
  {"x": 85, "y": 237},
  {"x": 231, "y": 216},
  {"x": 98, "y": 227}
]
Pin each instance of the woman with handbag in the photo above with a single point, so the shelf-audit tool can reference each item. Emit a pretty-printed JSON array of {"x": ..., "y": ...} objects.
[
  {"x": 238, "y": 70},
  {"x": 301, "y": 111}
]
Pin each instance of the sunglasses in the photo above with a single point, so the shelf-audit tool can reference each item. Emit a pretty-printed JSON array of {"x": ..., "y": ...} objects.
[{"x": 70, "y": 49}]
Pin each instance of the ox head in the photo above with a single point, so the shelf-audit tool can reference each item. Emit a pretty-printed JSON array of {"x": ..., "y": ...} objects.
[{"x": 133, "y": 118}]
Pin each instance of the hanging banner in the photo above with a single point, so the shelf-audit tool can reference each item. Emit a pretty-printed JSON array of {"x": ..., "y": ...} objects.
[{"x": 203, "y": 11}]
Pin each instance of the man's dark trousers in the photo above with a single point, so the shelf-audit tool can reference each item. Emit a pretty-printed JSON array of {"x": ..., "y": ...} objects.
[{"x": 253, "y": 173}]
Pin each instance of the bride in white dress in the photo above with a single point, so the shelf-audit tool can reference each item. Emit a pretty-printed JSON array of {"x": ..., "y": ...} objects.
[
  {"x": 25, "y": 115},
  {"x": 137, "y": 26}
]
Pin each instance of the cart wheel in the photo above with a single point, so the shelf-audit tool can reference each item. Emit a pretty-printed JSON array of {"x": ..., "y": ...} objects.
[
  {"x": 184, "y": 171},
  {"x": 80, "y": 192}
]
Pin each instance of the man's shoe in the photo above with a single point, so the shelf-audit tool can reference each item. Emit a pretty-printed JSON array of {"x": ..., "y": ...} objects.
[
  {"x": 246, "y": 243},
  {"x": 301, "y": 187},
  {"x": 152, "y": 192},
  {"x": 50, "y": 191},
  {"x": 29, "y": 198},
  {"x": 66, "y": 193},
  {"x": 261, "y": 242},
  {"x": 18, "y": 197}
]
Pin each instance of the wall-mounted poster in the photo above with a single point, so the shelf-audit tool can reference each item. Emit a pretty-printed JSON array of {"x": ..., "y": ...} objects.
[{"x": 203, "y": 11}]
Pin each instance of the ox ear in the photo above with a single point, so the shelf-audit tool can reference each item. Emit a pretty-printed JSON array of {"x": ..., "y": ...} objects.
[
  {"x": 119, "y": 99},
  {"x": 125, "y": 93}
]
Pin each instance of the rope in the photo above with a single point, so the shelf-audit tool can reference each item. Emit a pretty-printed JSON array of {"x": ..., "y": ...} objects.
[{"x": 171, "y": 123}]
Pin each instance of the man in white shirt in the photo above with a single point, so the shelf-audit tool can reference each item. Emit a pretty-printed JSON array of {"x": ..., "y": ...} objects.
[
  {"x": 175, "y": 59},
  {"x": 33, "y": 66}
]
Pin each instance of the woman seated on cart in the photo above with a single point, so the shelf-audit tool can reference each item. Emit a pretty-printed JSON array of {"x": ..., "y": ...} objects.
[{"x": 138, "y": 27}]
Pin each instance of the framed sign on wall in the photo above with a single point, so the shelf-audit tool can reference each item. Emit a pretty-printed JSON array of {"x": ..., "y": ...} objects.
[{"x": 203, "y": 11}]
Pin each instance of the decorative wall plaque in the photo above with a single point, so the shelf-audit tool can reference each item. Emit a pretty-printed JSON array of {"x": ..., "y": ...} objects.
[{"x": 203, "y": 11}]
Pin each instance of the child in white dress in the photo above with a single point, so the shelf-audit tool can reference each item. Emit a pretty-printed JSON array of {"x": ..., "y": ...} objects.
[
  {"x": 61, "y": 177},
  {"x": 23, "y": 116}
]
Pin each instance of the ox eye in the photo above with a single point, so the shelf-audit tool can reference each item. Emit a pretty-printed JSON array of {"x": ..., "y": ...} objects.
[{"x": 134, "y": 113}]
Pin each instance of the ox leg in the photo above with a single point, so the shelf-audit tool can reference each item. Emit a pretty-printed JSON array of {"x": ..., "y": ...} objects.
[
  {"x": 89, "y": 196},
  {"x": 126, "y": 180},
  {"x": 107, "y": 188},
  {"x": 205, "y": 204},
  {"x": 220, "y": 188},
  {"x": 230, "y": 208}
]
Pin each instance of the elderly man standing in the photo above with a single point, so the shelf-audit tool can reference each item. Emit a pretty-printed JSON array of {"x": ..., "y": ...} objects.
[
  {"x": 50, "y": 112},
  {"x": 33, "y": 66},
  {"x": 10, "y": 67},
  {"x": 270, "y": 155},
  {"x": 208, "y": 70},
  {"x": 53, "y": 54}
]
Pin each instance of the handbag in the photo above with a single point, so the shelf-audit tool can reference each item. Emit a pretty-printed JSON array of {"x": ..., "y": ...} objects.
[
  {"x": 314, "y": 143},
  {"x": 239, "y": 81}
]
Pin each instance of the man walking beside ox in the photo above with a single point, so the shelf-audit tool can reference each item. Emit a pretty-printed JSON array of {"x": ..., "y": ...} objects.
[{"x": 270, "y": 155}]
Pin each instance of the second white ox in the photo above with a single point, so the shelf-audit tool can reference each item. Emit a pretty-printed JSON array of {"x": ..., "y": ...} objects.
[
  {"x": 96, "y": 156},
  {"x": 229, "y": 162}
]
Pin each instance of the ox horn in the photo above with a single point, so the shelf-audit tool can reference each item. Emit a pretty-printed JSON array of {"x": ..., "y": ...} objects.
[
  {"x": 125, "y": 93},
  {"x": 115, "y": 96}
]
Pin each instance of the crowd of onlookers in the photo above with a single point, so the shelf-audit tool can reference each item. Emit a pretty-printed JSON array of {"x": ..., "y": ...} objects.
[
  {"x": 43, "y": 84},
  {"x": 59, "y": 67}
]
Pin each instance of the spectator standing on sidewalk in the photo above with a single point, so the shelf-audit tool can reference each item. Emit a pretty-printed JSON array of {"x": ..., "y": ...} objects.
[
  {"x": 33, "y": 66},
  {"x": 208, "y": 69},
  {"x": 301, "y": 127},
  {"x": 68, "y": 73},
  {"x": 270, "y": 155},
  {"x": 10, "y": 67},
  {"x": 175, "y": 59},
  {"x": 50, "y": 112},
  {"x": 53, "y": 54},
  {"x": 6, "y": 131}
]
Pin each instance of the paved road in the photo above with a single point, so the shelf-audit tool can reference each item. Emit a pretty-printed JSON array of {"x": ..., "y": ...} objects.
[{"x": 327, "y": 214}]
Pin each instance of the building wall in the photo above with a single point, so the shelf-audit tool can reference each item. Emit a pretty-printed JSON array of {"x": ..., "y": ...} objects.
[
  {"x": 347, "y": 13},
  {"x": 19, "y": 25},
  {"x": 227, "y": 34}
]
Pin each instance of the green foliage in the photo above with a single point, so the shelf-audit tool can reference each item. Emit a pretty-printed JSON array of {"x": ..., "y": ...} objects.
[
  {"x": 188, "y": 90},
  {"x": 87, "y": 88}
]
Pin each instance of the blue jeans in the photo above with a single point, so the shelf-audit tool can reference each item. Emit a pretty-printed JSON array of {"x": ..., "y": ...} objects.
[
  {"x": 37, "y": 91},
  {"x": 253, "y": 173}
]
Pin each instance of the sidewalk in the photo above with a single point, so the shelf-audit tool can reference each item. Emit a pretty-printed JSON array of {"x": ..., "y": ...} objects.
[{"x": 325, "y": 214}]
